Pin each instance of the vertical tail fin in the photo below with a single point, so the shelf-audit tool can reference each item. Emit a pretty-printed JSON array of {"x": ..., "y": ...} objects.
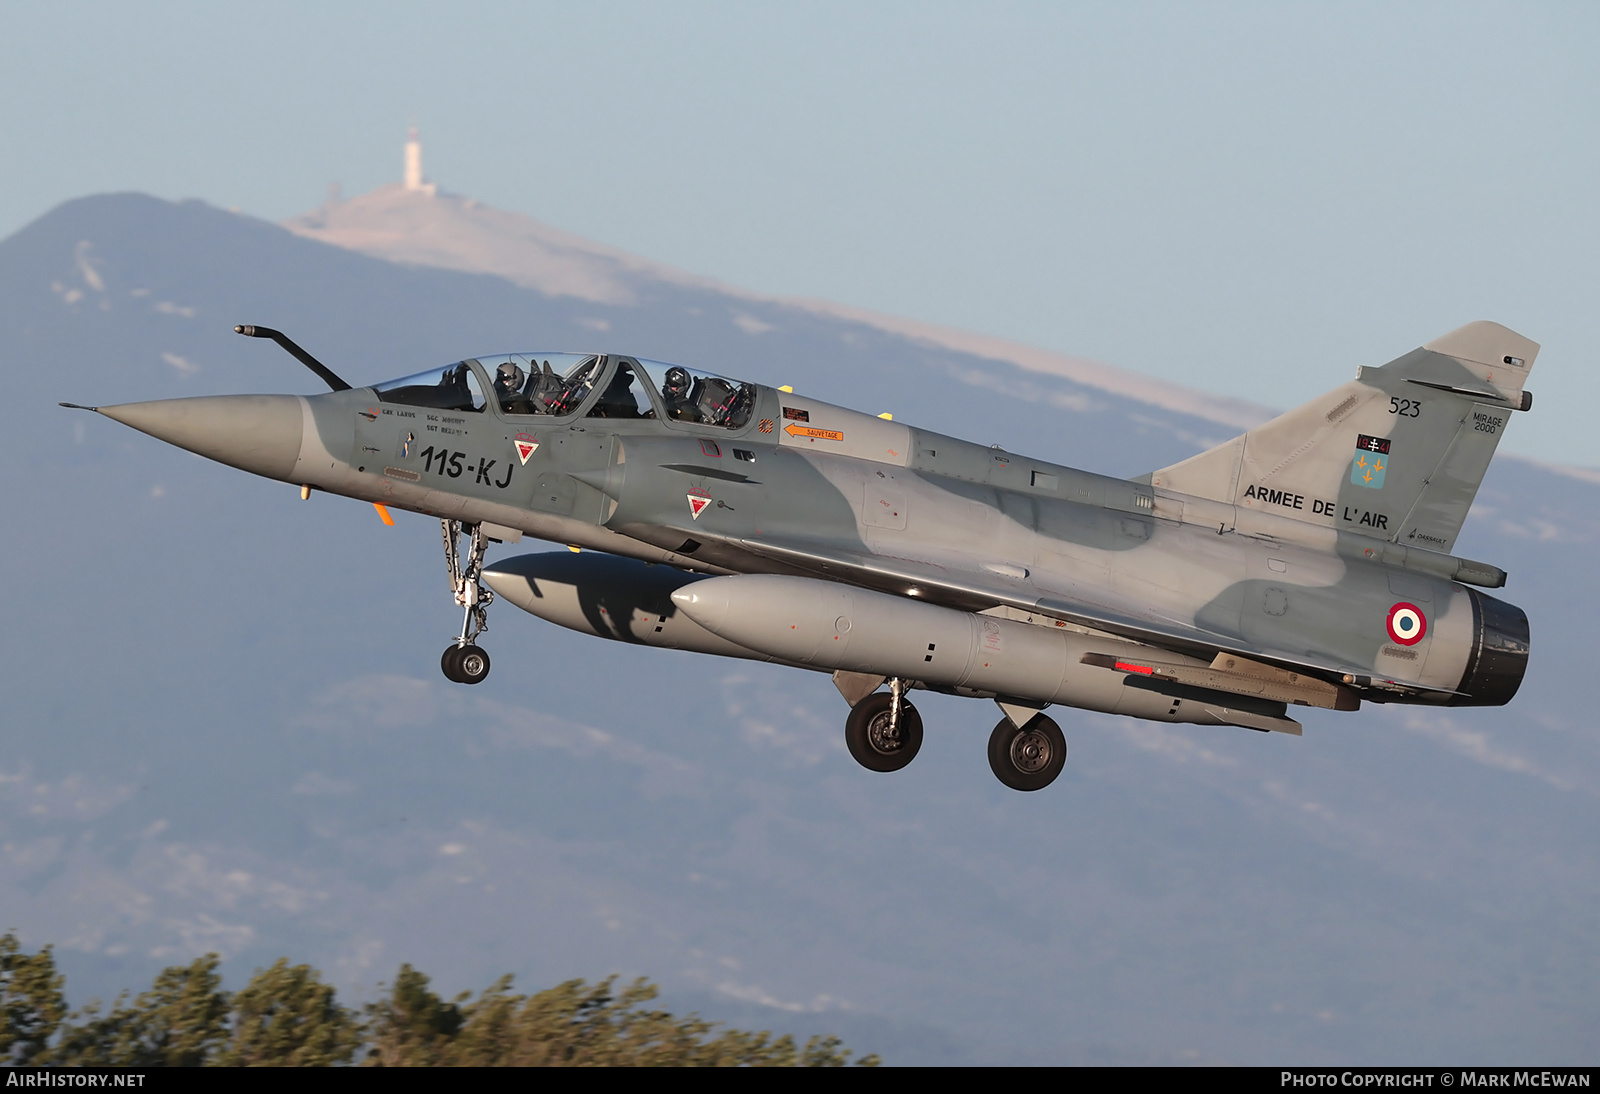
[{"x": 1396, "y": 454}]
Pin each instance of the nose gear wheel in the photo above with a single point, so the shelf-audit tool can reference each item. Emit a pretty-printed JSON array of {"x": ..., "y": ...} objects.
[
  {"x": 465, "y": 662},
  {"x": 1029, "y": 758}
]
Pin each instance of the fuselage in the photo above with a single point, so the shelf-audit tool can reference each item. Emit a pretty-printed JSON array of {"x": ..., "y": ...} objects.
[{"x": 798, "y": 488}]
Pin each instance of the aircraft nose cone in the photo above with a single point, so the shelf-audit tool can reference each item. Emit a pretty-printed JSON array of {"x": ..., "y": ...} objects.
[{"x": 256, "y": 433}]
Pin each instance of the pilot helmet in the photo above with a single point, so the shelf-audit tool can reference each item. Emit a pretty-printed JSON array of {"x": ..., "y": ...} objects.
[
  {"x": 509, "y": 377},
  {"x": 677, "y": 380}
]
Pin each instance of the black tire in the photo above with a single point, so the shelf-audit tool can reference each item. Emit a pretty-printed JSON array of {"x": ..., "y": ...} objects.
[
  {"x": 1029, "y": 758},
  {"x": 448, "y": 664},
  {"x": 472, "y": 665},
  {"x": 866, "y": 732}
]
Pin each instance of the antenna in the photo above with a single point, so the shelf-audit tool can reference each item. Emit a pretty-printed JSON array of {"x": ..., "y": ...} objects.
[{"x": 322, "y": 370}]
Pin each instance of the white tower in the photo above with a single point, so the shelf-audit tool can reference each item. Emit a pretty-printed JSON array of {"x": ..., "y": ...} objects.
[{"x": 413, "y": 161}]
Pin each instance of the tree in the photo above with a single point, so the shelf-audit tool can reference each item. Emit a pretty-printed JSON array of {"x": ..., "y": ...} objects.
[
  {"x": 287, "y": 1017},
  {"x": 413, "y": 1027},
  {"x": 31, "y": 1002},
  {"x": 575, "y": 1024},
  {"x": 182, "y": 1021}
]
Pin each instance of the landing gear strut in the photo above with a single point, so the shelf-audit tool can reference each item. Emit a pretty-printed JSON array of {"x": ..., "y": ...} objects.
[
  {"x": 1029, "y": 758},
  {"x": 884, "y": 730},
  {"x": 464, "y": 662}
]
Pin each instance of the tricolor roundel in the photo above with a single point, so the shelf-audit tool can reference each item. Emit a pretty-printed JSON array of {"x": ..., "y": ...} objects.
[{"x": 1407, "y": 624}]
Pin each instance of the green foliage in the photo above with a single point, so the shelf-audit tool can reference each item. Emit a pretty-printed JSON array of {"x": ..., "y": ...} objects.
[
  {"x": 182, "y": 1021},
  {"x": 31, "y": 1002},
  {"x": 413, "y": 1027},
  {"x": 575, "y": 1024},
  {"x": 286, "y": 1016}
]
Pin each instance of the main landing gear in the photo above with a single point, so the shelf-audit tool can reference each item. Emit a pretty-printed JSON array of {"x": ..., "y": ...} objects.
[
  {"x": 1029, "y": 758},
  {"x": 464, "y": 661},
  {"x": 884, "y": 730}
]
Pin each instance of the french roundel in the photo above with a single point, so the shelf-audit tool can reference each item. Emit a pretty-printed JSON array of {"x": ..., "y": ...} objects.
[{"x": 1407, "y": 624}]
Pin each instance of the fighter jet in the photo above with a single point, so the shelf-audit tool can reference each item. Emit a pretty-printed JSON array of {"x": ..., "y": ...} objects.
[{"x": 1304, "y": 563}]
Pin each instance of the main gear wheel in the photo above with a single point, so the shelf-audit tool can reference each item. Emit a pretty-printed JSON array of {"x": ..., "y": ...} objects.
[
  {"x": 880, "y": 737},
  {"x": 1029, "y": 758}
]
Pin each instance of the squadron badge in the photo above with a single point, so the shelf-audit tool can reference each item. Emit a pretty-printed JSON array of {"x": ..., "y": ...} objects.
[{"x": 1371, "y": 462}]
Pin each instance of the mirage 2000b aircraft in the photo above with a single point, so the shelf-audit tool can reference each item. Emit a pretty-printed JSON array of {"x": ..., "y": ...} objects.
[{"x": 1304, "y": 563}]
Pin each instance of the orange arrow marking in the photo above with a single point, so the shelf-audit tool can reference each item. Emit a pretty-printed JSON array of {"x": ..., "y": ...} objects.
[{"x": 811, "y": 431}]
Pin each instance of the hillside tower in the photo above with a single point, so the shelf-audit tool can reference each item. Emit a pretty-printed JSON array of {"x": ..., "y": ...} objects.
[
  {"x": 413, "y": 175},
  {"x": 413, "y": 161}
]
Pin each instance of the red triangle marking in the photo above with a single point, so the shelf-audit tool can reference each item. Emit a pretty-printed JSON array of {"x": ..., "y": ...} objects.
[{"x": 697, "y": 505}]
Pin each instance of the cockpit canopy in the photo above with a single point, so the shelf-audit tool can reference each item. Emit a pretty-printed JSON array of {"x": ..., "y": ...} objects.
[
  {"x": 690, "y": 395},
  {"x": 453, "y": 387},
  {"x": 561, "y": 384},
  {"x": 546, "y": 383}
]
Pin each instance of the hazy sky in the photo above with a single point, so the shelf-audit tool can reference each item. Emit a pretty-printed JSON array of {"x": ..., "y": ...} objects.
[{"x": 1251, "y": 199}]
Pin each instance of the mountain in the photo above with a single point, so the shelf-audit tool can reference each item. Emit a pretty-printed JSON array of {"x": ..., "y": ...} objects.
[
  {"x": 226, "y": 729},
  {"x": 450, "y": 232}
]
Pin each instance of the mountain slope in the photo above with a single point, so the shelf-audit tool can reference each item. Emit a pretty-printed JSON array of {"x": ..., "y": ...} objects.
[{"x": 226, "y": 727}]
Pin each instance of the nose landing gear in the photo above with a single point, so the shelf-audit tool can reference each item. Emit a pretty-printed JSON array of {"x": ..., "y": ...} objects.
[{"x": 465, "y": 662}]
